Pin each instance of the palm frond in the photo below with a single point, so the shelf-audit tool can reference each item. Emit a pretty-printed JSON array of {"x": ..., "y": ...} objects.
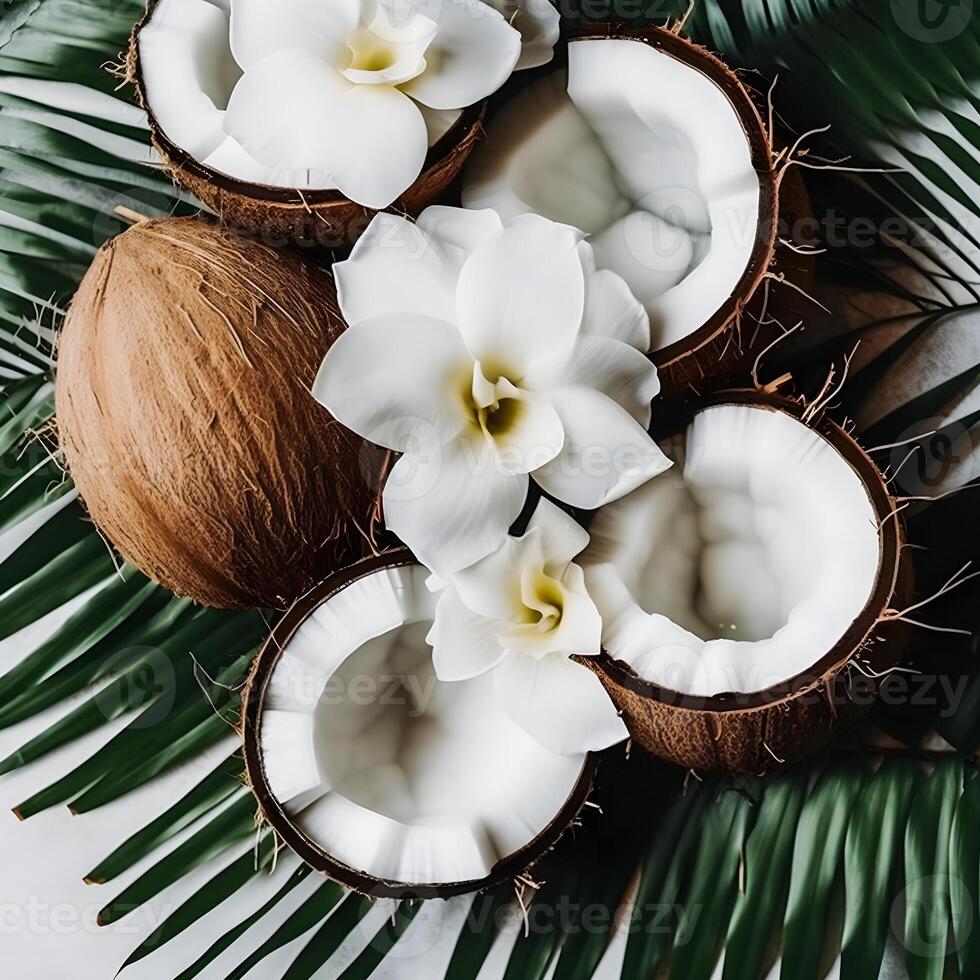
[{"x": 706, "y": 870}]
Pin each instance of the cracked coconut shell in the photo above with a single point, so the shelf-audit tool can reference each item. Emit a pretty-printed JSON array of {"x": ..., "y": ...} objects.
[
  {"x": 593, "y": 141},
  {"x": 792, "y": 684},
  {"x": 321, "y": 216},
  {"x": 391, "y": 793},
  {"x": 186, "y": 419}
]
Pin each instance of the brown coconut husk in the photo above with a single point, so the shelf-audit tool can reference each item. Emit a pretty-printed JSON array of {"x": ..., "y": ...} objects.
[
  {"x": 760, "y": 731},
  {"x": 277, "y": 214},
  {"x": 272, "y": 813},
  {"x": 186, "y": 420}
]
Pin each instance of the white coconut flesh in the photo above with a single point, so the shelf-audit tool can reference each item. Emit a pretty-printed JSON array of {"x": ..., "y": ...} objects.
[
  {"x": 645, "y": 154},
  {"x": 743, "y": 565},
  {"x": 189, "y": 73},
  {"x": 387, "y": 770}
]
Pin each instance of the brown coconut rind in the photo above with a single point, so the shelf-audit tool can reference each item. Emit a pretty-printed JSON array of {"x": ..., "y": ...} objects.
[
  {"x": 186, "y": 420},
  {"x": 273, "y": 813},
  {"x": 277, "y": 214},
  {"x": 757, "y": 732},
  {"x": 715, "y": 351}
]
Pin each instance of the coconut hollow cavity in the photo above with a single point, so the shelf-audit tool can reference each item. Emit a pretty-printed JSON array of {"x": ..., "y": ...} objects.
[
  {"x": 181, "y": 63},
  {"x": 378, "y": 774},
  {"x": 654, "y": 148},
  {"x": 739, "y": 589}
]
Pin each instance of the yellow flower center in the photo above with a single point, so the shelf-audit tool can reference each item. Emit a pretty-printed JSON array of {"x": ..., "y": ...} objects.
[
  {"x": 491, "y": 401},
  {"x": 543, "y": 600},
  {"x": 370, "y": 52}
]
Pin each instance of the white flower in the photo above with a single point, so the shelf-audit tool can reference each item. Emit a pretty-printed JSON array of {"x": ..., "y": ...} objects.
[
  {"x": 539, "y": 23},
  {"x": 331, "y": 93},
  {"x": 485, "y": 354},
  {"x": 522, "y": 612}
]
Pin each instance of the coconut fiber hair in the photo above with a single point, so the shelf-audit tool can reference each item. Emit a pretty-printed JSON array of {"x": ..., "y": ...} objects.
[{"x": 186, "y": 419}]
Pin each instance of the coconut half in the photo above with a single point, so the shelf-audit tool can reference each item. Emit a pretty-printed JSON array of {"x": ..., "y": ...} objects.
[
  {"x": 653, "y": 147},
  {"x": 739, "y": 589},
  {"x": 378, "y": 774},
  {"x": 181, "y": 63}
]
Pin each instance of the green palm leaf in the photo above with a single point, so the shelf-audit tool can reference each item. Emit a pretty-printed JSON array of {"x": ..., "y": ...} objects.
[
  {"x": 762, "y": 897},
  {"x": 816, "y": 869},
  {"x": 927, "y": 891},
  {"x": 871, "y": 866},
  {"x": 233, "y": 824},
  {"x": 328, "y": 906},
  {"x": 964, "y": 862},
  {"x": 229, "y": 881},
  {"x": 221, "y": 784}
]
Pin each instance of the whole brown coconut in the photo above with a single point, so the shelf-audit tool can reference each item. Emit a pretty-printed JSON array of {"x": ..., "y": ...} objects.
[{"x": 186, "y": 419}]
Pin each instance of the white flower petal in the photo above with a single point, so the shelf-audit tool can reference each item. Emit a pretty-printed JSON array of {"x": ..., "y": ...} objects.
[
  {"x": 606, "y": 453},
  {"x": 385, "y": 149},
  {"x": 419, "y": 263},
  {"x": 453, "y": 506},
  {"x": 569, "y": 622},
  {"x": 260, "y": 28},
  {"x": 538, "y": 22},
  {"x": 611, "y": 310},
  {"x": 438, "y": 122},
  {"x": 532, "y": 434},
  {"x": 231, "y": 158},
  {"x": 586, "y": 256},
  {"x": 580, "y": 629},
  {"x": 521, "y": 294},
  {"x": 459, "y": 227},
  {"x": 418, "y": 274},
  {"x": 464, "y": 644},
  {"x": 370, "y": 138},
  {"x": 616, "y": 369},
  {"x": 491, "y": 587},
  {"x": 271, "y": 128},
  {"x": 558, "y": 702},
  {"x": 395, "y": 380},
  {"x": 188, "y": 72},
  {"x": 561, "y": 537},
  {"x": 473, "y": 54},
  {"x": 407, "y": 66}
]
